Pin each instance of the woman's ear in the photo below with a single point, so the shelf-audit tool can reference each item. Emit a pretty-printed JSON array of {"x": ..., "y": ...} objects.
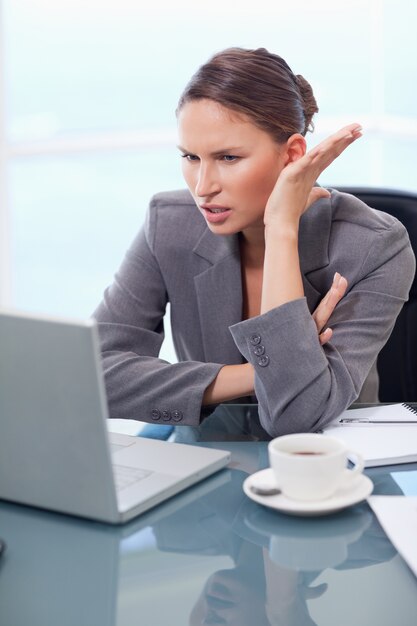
[{"x": 296, "y": 148}]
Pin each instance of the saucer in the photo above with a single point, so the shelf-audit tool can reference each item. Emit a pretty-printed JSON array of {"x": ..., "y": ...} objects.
[
  {"x": 309, "y": 544},
  {"x": 360, "y": 490}
]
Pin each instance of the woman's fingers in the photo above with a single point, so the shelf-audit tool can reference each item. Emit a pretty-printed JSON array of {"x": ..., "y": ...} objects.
[
  {"x": 325, "y": 336},
  {"x": 321, "y": 156},
  {"x": 326, "y": 307},
  {"x": 315, "y": 194}
]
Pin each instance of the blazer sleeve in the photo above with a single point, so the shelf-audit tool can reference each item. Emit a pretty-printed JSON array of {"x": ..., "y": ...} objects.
[
  {"x": 301, "y": 385},
  {"x": 139, "y": 385}
]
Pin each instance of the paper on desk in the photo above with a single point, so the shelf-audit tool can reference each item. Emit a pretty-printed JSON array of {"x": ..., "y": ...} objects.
[
  {"x": 379, "y": 444},
  {"x": 398, "y": 517}
]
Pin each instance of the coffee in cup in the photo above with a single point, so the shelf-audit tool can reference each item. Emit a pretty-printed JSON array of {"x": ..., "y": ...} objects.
[{"x": 311, "y": 466}]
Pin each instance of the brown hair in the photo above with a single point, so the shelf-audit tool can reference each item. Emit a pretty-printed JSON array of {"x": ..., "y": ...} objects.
[{"x": 258, "y": 84}]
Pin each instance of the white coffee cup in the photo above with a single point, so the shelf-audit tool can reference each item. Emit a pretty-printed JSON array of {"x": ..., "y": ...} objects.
[{"x": 312, "y": 467}]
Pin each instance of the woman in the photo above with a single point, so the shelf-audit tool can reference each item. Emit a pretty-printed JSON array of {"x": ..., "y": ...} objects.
[{"x": 245, "y": 256}]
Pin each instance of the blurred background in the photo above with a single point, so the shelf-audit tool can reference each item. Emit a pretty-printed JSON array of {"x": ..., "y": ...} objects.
[{"x": 88, "y": 90}]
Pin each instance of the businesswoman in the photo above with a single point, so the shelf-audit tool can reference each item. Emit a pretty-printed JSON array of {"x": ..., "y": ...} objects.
[{"x": 253, "y": 258}]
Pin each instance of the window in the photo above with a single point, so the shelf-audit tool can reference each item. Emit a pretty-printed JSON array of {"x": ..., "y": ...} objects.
[{"x": 87, "y": 130}]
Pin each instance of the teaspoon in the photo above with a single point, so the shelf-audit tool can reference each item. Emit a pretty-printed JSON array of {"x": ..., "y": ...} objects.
[{"x": 265, "y": 491}]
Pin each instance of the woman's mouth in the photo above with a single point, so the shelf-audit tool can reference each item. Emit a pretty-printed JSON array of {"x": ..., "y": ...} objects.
[{"x": 215, "y": 214}]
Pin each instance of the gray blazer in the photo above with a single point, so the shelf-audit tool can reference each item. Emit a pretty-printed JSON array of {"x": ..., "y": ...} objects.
[{"x": 300, "y": 385}]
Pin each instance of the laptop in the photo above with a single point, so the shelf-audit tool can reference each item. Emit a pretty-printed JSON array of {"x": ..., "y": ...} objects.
[{"x": 55, "y": 449}]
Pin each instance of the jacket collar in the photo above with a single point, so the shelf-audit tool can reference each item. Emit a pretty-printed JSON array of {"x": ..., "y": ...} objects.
[{"x": 214, "y": 248}]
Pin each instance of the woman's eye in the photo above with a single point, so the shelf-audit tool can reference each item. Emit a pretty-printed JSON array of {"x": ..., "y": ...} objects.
[
  {"x": 229, "y": 158},
  {"x": 190, "y": 157}
]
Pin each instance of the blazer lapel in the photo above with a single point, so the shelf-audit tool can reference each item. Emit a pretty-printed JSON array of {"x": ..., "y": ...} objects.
[{"x": 219, "y": 295}]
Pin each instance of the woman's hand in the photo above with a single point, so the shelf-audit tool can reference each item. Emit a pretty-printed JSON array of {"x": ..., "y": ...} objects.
[
  {"x": 326, "y": 307},
  {"x": 294, "y": 192}
]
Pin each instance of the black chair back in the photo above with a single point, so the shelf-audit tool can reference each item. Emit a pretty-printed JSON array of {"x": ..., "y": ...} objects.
[{"x": 397, "y": 361}]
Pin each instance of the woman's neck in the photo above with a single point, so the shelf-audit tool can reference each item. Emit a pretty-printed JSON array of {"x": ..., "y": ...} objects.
[{"x": 252, "y": 247}]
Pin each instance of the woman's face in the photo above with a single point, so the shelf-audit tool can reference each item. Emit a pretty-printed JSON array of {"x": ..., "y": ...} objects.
[{"x": 229, "y": 165}]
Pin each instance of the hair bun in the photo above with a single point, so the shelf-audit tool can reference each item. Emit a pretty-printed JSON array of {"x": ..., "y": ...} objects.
[{"x": 309, "y": 102}]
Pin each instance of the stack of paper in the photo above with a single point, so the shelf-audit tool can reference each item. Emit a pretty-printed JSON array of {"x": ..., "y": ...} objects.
[{"x": 383, "y": 435}]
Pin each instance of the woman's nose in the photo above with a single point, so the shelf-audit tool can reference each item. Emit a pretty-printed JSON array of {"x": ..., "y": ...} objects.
[{"x": 207, "y": 182}]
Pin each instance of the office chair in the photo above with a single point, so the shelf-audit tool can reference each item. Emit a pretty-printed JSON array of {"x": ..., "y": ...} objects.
[{"x": 397, "y": 361}]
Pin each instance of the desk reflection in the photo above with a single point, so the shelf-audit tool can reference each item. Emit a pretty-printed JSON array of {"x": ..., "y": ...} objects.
[
  {"x": 228, "y": 422},
  {"x": 276, "y": 557},
  {"x": 61, "y": 570},
  {"x": 56, "y": 570}
]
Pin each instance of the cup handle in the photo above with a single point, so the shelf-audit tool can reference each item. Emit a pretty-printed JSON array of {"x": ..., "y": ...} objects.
[{"x": 352, "y": 473}]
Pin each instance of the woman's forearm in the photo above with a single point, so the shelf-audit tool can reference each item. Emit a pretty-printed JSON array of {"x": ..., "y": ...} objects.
[
  {"x": 282, "y": 281},
  {"x": 232, "y": 381}
]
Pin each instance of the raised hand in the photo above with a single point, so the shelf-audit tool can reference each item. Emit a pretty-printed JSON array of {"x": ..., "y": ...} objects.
[{"x": 294, "y": 191}]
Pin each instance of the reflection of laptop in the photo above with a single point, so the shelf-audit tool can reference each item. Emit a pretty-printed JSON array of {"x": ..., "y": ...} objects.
[
  {"x": 55, "y": 451},
  {"x": 46, "y": 550}
]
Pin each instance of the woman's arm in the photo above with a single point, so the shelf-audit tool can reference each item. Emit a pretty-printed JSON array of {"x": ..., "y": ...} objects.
[
  {"x": 139, "y": 384},
  {"x": 232, "y": 381},
  {"x": 236, "y": 381},
  {"x": 291, "y": 196}
]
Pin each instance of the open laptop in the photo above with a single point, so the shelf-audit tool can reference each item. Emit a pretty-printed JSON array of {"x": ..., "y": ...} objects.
[{"x": 55, "y": 449}]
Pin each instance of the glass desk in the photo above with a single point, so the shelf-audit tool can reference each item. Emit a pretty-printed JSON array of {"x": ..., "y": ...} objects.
[{"x": 209, "y": 556}]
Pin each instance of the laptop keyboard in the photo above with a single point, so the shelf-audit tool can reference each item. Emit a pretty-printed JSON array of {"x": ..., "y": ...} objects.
[{"x": 126, "y": 476}]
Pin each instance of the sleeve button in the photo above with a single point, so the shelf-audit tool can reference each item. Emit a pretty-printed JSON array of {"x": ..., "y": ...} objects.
[
  {"x": 259, "y": 350},
  {"x": 176, "y": 416},
  {"x": 255, "y": 339},
  {"x": 263, "y": 361},
  {"x": 166, "y": 415},
  {"x": 155, "y": 414}
]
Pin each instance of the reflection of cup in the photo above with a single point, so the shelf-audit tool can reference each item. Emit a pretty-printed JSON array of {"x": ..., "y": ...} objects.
[
  {"x": 309, "y": 544},
  {"x": 312, "y": 467}
]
